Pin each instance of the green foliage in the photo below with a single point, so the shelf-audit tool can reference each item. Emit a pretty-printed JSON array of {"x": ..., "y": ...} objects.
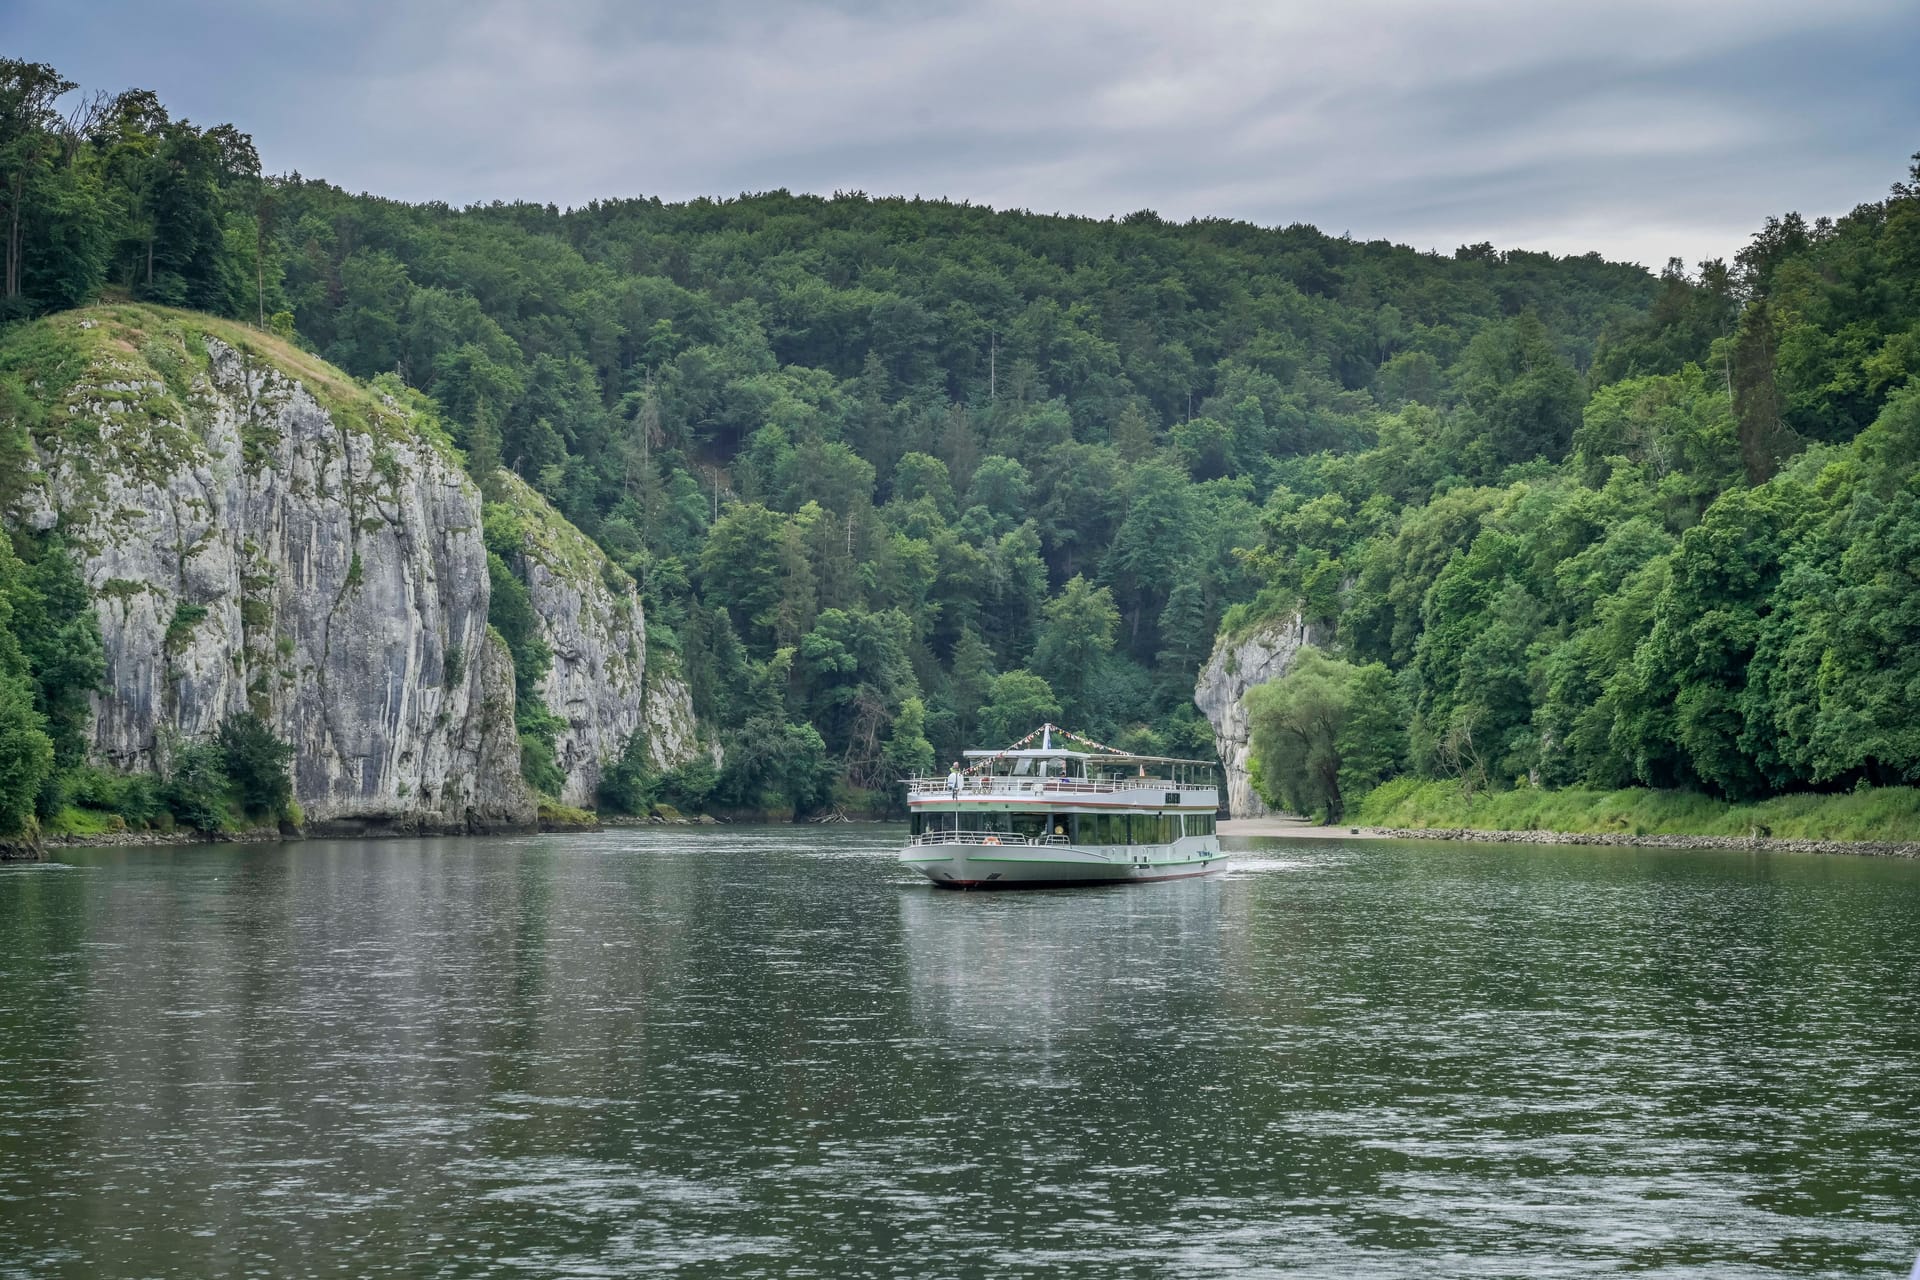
[
  {"x": 628, "y": 785},
  {"x": 907, "y": 753},
  {"x": 135, "y": 800},
  {"x": 255, "y": 761},
  {"x": 921, "y": 449},
  {"x": 1685, "y": 603},
  {"x": 1018, "y": 702},
  {"x": 196, "y": 788},
  {"x": 1325, "y": 733},
  {"x": 539, "y": 763},
  {"x": 26, "y": 753},
  {"x": 50, "y": 663},
  {"x": 1877, "y": 813},
  {"x": 1074, "y": 643},
  {"x": 186, "y": 617},
  {"x": 775, "y": 765}
]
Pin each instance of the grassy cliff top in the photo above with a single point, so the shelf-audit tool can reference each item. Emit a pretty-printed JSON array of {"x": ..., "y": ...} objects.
[
  {"x": 550, "y": 538},
  {"x": 149, "y": 359}
]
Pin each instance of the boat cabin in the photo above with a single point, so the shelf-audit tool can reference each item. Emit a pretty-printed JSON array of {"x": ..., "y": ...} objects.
[{"x": 1059, "y": 795}]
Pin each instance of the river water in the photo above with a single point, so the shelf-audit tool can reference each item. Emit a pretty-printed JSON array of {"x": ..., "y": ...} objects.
[{"x": 767, "y": 1052}]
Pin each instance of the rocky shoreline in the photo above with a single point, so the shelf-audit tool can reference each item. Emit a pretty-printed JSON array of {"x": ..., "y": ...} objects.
[{"x": 1768, "y": 844}]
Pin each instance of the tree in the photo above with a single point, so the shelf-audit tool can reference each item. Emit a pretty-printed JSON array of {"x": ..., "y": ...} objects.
[
  {"x": 1299, "y": 722},
  {"x": 26, "y": 753},
  {"x": 256, "y": 760},
  {"x": 855, "y": 665},
  {"x": 196, "y": 788},
  {"x": 1076, "y": 638},
  {"x": 28, "y": 91},
  {"x": 1372, "y": 739},
  {"x": 907, "y": 753},
  {"x": 741, "y": 569},
  {"x": 1019, "y": 703}
]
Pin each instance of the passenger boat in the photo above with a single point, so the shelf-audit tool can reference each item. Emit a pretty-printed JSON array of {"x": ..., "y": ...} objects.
[{"x": 1049, "y": 815}]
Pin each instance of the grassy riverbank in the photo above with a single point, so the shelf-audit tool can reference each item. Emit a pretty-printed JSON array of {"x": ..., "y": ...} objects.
[{"x": 1881, "y": 814}]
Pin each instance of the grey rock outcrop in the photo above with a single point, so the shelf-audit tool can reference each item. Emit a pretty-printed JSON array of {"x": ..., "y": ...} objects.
[
  {"x": 673, "y": 735},
  {"x": 589, "y": 615},
  {"x": 260, "y": 532},
  {"x": 1239, "y": 663}
]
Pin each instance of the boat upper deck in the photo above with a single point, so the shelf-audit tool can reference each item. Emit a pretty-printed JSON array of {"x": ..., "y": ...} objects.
[
  {"x": 1135, "y": 791},
  {"x": 1102, "y": 778}
]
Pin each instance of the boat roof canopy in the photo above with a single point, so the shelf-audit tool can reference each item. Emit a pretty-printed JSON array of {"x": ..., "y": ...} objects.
[{"x": 1058, "y": 753}]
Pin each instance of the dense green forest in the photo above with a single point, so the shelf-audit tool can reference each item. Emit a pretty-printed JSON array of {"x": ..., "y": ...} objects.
[{"x": 899, "y": 476}]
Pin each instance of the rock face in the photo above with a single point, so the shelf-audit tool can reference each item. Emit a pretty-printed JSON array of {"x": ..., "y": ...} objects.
[
  {"x": 673, "y": 736},
  {"x": 1238, "y": 663},
  {"x": 601, "y": 684},
  {"x": 589, "y": 615},
  {"x": 261, "y": 532}
]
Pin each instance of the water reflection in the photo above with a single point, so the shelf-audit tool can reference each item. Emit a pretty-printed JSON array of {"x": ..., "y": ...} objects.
[
  {"x": 1039, "y": 969},
  {"x": 769, "y": 1053}
]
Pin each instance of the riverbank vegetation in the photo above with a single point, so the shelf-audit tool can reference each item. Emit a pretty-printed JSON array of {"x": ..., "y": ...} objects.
[
  {"x": 1707, "y": 585},
  {"x": 51, "y": 663},
  {"x": 861, "y": 454},
  {"x": 1866, "y": 814},
  {"x": 897, "y": 476}
]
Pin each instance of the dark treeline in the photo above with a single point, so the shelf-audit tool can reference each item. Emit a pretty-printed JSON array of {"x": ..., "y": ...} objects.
[{"x": 899, "y": 476}]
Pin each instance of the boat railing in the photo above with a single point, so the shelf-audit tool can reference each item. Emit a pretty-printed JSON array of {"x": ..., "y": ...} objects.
[
  {"x": 1015, "y": 786},
  {"x": 986, "y": 837}
]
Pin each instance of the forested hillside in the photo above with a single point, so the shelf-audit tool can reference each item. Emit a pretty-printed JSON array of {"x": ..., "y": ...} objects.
[
  {"x": 898, "y": 476},
  {"x": 1716, "y": 589}
]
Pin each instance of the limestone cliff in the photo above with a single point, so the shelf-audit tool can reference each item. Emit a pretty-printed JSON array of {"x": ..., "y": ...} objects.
[
  {"x": 261, "y": 532},
  {"x": 1239, "y": 662},
  {"x": 588, "y": 611},
  {"x": 673, "y": 735}
]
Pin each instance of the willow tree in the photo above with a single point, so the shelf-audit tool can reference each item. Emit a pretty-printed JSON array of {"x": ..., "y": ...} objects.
[{"x": 1325, "y": 733}]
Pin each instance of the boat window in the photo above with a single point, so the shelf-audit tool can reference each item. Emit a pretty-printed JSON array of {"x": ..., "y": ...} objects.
[
  {"x": 995, "y": 821},
  {"x": 1030, "y": 825},
  {"x": 914, "y": 824}
]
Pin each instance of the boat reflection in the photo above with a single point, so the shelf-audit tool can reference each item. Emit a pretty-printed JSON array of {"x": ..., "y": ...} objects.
[{"x": 1031, "y": 969}]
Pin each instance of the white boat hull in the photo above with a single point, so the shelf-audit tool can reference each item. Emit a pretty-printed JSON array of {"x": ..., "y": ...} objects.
[{"x": 1038, "y": 866}]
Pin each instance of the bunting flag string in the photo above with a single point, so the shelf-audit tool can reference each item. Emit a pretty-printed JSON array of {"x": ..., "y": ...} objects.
[{"x": 1068, "y": 734}]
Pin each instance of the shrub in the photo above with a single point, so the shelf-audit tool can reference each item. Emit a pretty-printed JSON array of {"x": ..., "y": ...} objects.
[
  {"x": 255, "y": 761},
  {"x": 628, "y": 785},
  {"x": 180, "y": 630},
  {"x": 538, "y": 763},
  {"x": 134, "y": 797},
  {"x": 688, "y": 786},
  {"x": 196, "y": 787}
]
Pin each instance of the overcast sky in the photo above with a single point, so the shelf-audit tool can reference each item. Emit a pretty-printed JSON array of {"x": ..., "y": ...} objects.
[{"x": 1642, "y": 130}]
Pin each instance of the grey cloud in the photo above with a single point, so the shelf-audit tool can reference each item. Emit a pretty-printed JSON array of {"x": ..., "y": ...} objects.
[{"x": 1637, "y": 128}]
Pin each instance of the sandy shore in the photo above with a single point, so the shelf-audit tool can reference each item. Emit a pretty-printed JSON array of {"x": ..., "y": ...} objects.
[{"x": 1293, "y": 828}]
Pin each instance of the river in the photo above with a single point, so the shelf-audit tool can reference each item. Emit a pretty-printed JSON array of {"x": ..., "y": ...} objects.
[{"x": 768, "y": 1052}]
